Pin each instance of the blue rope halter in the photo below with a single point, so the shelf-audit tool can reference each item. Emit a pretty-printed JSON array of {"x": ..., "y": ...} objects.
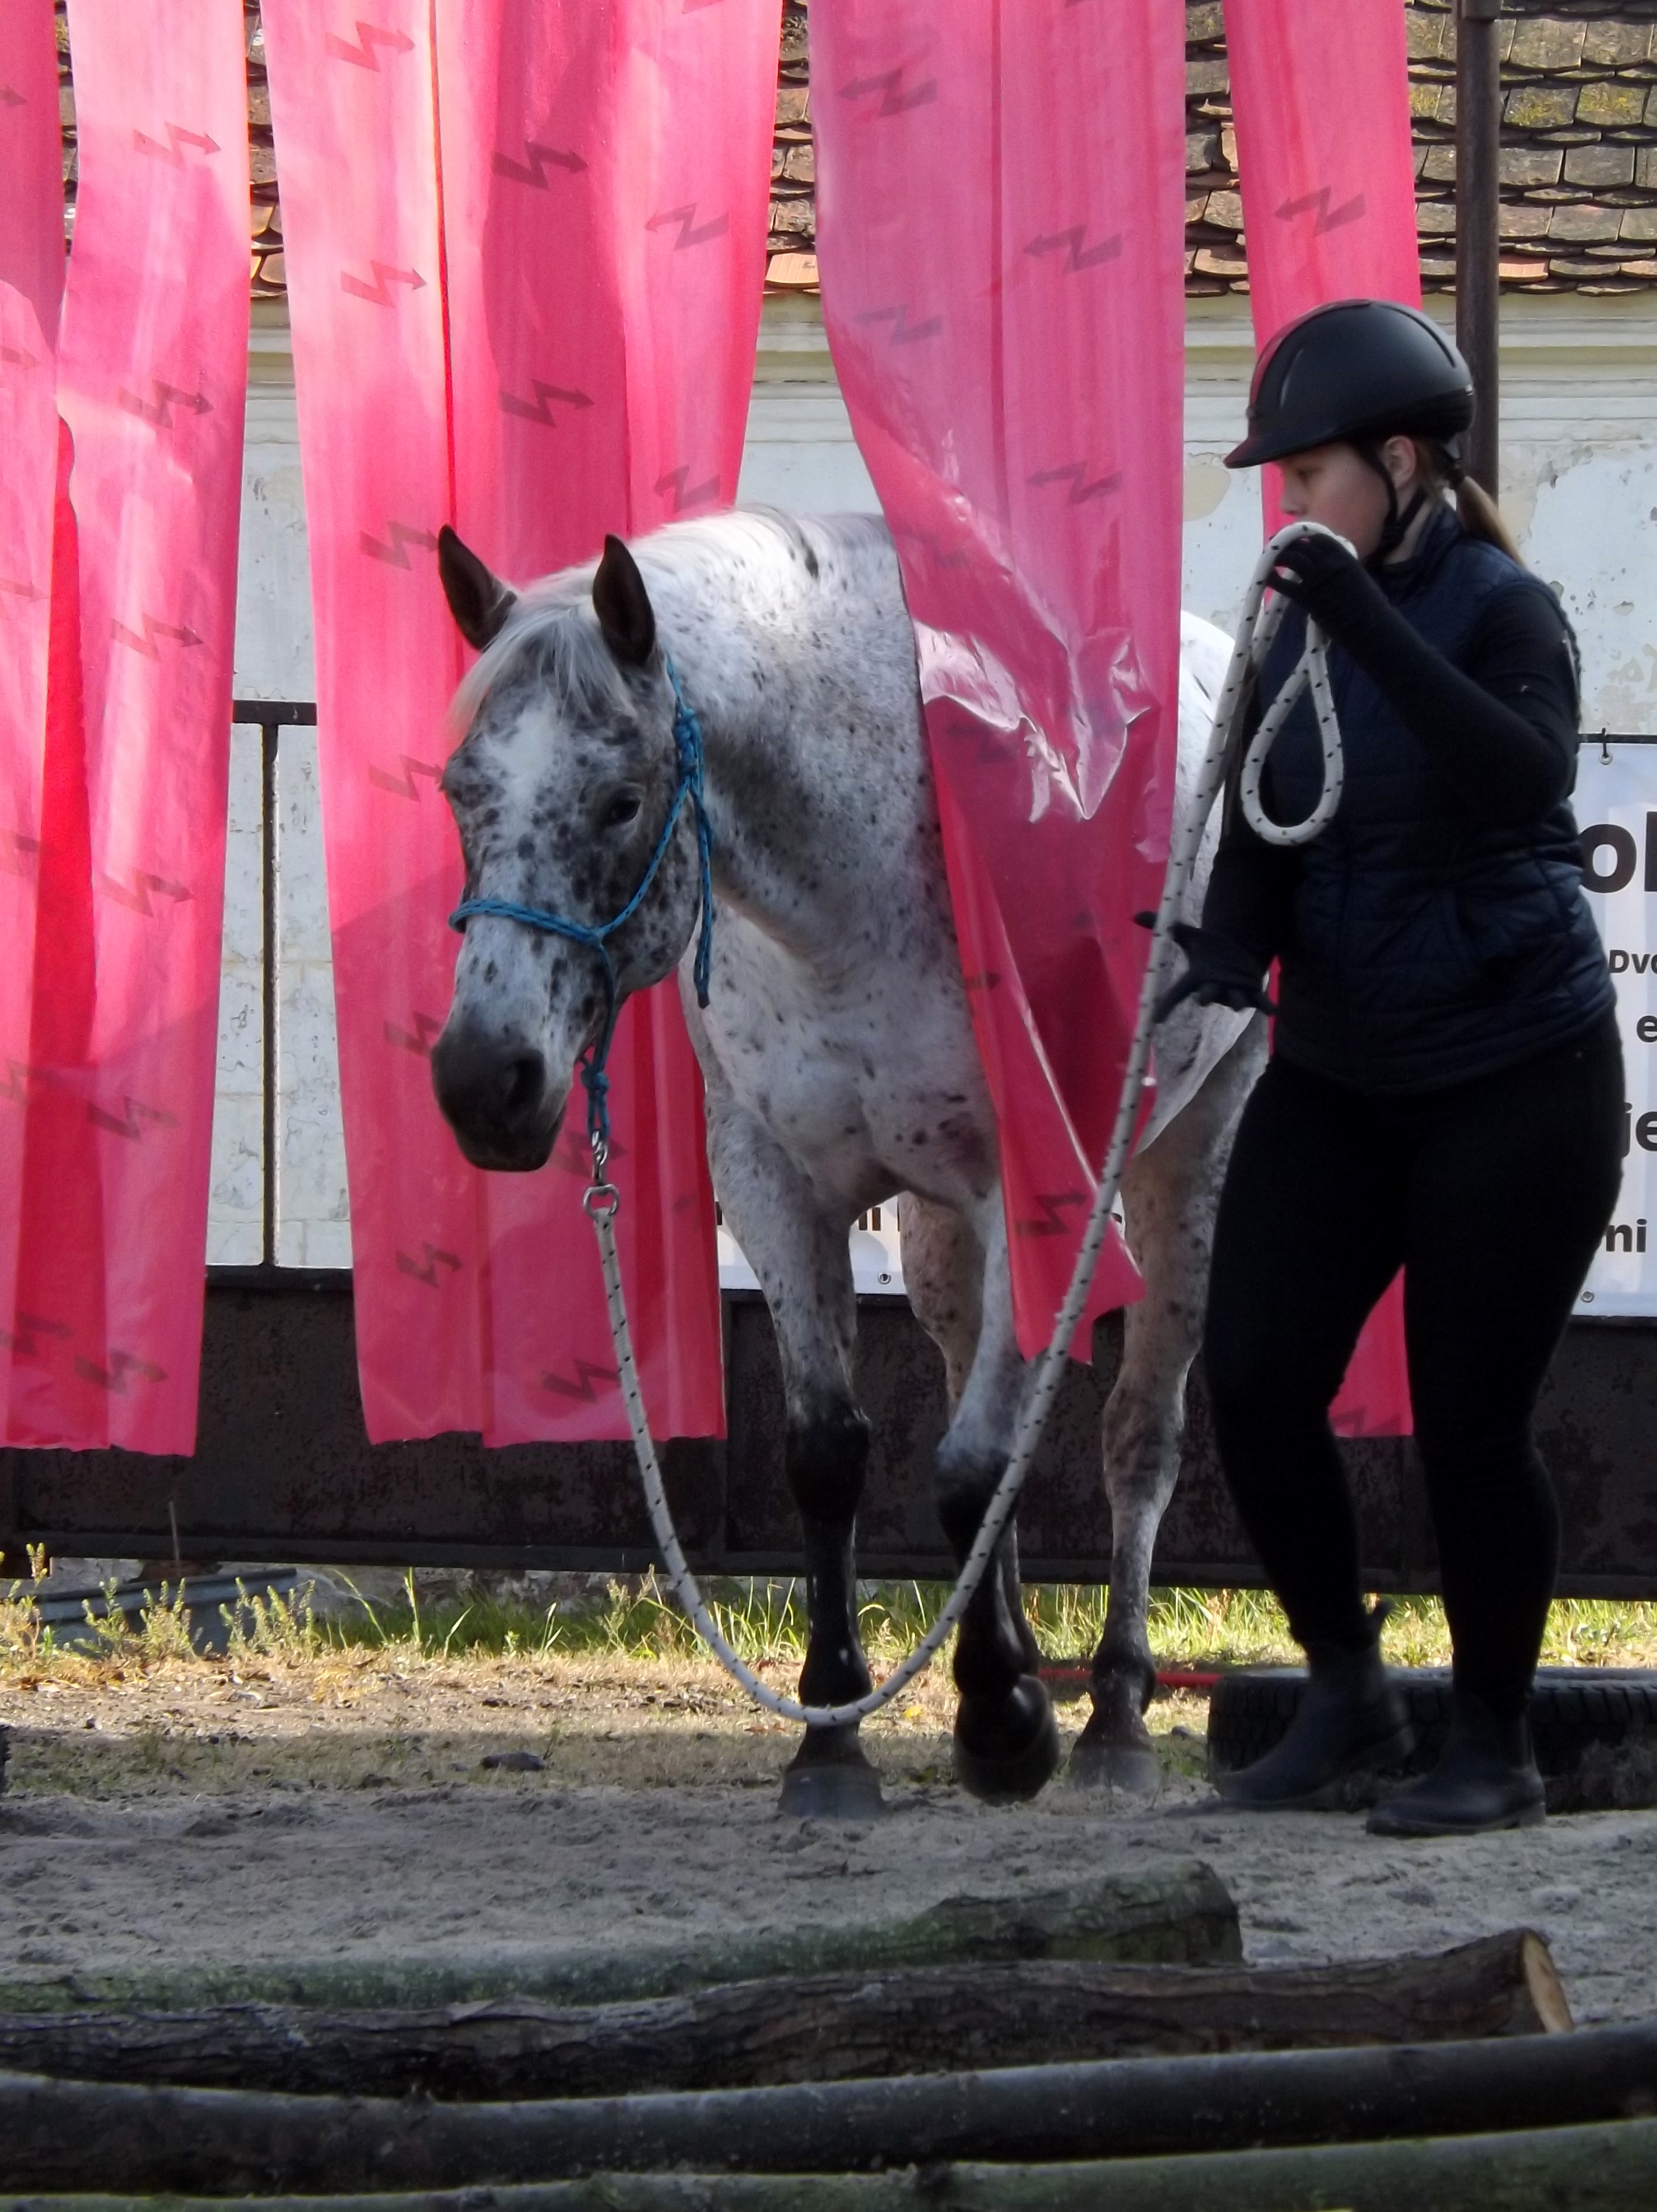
[{"x": 687, "y": 743}]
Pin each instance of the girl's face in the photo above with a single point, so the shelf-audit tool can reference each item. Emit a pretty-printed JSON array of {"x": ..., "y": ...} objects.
[{"x": 1336, "y": 486}]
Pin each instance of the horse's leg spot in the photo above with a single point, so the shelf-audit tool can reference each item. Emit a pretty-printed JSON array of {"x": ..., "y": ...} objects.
[{"x": 830, "y": 1779}]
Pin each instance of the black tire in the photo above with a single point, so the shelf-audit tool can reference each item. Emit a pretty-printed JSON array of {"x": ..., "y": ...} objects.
[{"x": 1573, "y": 1710}]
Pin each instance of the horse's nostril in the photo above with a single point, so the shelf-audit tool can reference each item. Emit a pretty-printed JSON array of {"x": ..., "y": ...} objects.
[{"x": 523, "y": 1081}]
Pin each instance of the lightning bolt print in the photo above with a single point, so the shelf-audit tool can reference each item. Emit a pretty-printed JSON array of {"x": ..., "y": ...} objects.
[
  {"x": 152, "y": 630},
  {"x": 124, "y": 1367},
  {"x": 586, "y": 1373},
  {"x": 533, "y": 172},
  {"x": 133, "y": 1122},
  {"x": 691, "y": 233},
  {"x": 424, "y": 1270},
  {"x": 401, "y": 535},
  {"x": 368, "y": 37},
  {"x": 138, "y": 900},
  {"x": 177, "y": 138},
  {"x": 31, "y": 1328},
  {"x": 896, "y": 98},
  {"x": 539, "y": 409},
  {"x": 427, "y": 1028},
  {"x": 1328, "y": 218},
  {"x": 1081, "y": 487},
  {"x": 378, "y": 293},
  {"x": 904, "y": 333},
  {"x": 685, "y": 494},
  {"x": 404, "y": 785},
  {"x": 1076, "y": 256},
  {"x": 159, "y": 410},
  {"x": 1049, "y": 1224}
]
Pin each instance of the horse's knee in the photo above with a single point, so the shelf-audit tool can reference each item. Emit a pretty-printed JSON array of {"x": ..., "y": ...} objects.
[{"x": 827, "y": 1454}]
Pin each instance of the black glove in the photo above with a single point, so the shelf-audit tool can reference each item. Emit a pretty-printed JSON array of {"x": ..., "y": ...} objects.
[
  {"x": 1219, "y": 973},
  {"x": 1332, "y": 585}
]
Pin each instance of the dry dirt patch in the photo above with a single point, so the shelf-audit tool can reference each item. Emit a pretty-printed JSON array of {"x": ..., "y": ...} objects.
[{"x": 192, "y": 1815}]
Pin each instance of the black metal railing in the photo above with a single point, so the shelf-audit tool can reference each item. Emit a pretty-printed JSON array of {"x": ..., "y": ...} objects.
[{"x": 271, "y": 716}]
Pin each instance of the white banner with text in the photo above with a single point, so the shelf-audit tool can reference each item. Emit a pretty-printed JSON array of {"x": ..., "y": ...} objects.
[{"x": 1616, "y": 808}]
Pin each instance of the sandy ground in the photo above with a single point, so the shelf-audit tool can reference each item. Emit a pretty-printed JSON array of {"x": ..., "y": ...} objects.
[{"x": 192, "y": 1815}]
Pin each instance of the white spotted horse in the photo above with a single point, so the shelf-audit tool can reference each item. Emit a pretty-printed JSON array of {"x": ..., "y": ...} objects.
[{"x": 833, "y": 1033}]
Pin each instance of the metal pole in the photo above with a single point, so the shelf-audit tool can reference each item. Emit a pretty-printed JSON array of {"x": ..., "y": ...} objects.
[
  {"x": 1478, "y": 225},
  {"x": 269, "y": 734}
]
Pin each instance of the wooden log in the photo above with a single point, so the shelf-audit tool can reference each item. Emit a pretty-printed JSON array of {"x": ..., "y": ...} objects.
[
  {"x": 1609, "y": 2168},
  {"x": 1178, "y": 1912},
  {"x": 78, "y": 2135},
  {"x": 818, "y": 2028}
]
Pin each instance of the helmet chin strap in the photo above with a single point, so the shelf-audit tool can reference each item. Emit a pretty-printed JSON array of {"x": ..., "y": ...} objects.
[{"x": 1398, "y": 519}]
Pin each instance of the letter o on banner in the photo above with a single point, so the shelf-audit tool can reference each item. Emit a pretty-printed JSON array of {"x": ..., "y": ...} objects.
[{"x": 1620, "y": 873}]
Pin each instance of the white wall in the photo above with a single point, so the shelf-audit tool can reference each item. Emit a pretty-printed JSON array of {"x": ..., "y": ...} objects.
[{"x": 1578, "y": 408}]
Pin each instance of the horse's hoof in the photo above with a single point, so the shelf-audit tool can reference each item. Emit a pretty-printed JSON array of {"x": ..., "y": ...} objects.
[
  {"x": 832, "y": 1784},
  {"x": 1008, "y": 1748},
  {"x": 1130, "y": 1767}
]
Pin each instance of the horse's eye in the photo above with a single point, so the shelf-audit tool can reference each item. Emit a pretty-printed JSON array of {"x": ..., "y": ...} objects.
[{"x": 622, "y": 809}]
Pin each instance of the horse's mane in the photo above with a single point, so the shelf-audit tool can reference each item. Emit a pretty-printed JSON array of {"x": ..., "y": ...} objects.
[{"x": 552, "y": 621}]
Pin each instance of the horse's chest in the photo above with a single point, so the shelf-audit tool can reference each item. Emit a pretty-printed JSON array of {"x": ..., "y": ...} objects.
[{"x": 867, "y": 1087}]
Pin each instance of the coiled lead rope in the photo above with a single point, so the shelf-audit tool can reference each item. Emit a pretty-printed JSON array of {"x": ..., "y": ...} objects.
[{"x": 1254, "y": 636}]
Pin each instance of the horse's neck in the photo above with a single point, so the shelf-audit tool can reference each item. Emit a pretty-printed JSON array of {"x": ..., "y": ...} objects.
[
  {"x": 805, "y": 830},
  {"x": 779, "y": 828}
]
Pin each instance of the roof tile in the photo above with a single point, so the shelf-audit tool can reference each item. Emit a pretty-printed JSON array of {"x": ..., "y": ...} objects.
[
  {"x": 1538, "y": 106},
  {"x": 1578, "y": 226},
  {"x": 1601, "y": 164},
  {"x": 1613, "y": 46},
  {"x": 1546, "y": 45},
  {"x": 1612, "y": 107}
]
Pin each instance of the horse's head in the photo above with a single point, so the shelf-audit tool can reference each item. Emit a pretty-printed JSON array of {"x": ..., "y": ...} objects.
[{"x": 559, "y": 789}]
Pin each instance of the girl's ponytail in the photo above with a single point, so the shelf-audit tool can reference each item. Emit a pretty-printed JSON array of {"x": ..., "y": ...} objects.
[{"x": 1482, "y": 518}]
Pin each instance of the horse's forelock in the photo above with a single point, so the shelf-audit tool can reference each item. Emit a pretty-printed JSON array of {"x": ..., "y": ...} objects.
[{"x": 551, "y": 641}]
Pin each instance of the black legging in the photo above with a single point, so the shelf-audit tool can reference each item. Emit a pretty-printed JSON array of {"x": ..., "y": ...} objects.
[{"x": 1492, "y": 1195}]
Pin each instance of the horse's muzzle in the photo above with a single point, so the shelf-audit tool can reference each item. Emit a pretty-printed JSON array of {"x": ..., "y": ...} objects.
[{"x": 498, "y": 1096}]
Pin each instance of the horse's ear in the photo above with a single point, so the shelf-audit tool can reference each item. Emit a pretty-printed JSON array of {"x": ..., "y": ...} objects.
[
  {"x": 622, "y": 606},
  {"x": 478, "y": 600}
]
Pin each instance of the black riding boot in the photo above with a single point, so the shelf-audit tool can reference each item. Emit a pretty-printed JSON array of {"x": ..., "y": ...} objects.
[
  {"x": 1351, "y": 1722},
  {"x": 1486, "y": 1778}
]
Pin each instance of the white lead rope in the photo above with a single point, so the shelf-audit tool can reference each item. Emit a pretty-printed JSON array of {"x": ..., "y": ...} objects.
[{"x": 1254, "y": 636}]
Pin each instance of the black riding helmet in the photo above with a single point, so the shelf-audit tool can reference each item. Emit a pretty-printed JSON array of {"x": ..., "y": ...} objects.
[{"x": 1357, "y": 370}]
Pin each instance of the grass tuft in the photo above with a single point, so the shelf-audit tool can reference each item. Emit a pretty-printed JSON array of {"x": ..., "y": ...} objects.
[{"x": 636, "y": 1620}]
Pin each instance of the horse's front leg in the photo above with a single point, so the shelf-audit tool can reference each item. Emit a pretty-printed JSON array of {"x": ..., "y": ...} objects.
[
  {"x": 801, "y": 1252},
  {"x": 1006, "y": 1742},
  {"x": 1169, "y": 1194}
]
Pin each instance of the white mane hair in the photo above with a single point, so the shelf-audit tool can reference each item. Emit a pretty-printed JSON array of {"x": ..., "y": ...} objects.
[{"x": 552, "y": 619}]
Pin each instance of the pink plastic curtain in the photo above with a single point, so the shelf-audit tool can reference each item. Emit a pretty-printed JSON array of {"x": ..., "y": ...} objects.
[
  {"x": 525, "y": 254},
  {"x": 31, "y": 291},
  {"x": 112, "y": 1100},
  {"x": 1321, "y": 97},
  {"x": 1000, "y": 208}
]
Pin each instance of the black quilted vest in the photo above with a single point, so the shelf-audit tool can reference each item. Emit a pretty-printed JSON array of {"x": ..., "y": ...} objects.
[{"x": 1427, "y": 947}]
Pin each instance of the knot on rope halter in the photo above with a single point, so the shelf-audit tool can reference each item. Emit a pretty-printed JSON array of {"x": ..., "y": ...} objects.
[
  {"x": 1254, "y": 636},
  {"x": 594, "y": 936}
]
